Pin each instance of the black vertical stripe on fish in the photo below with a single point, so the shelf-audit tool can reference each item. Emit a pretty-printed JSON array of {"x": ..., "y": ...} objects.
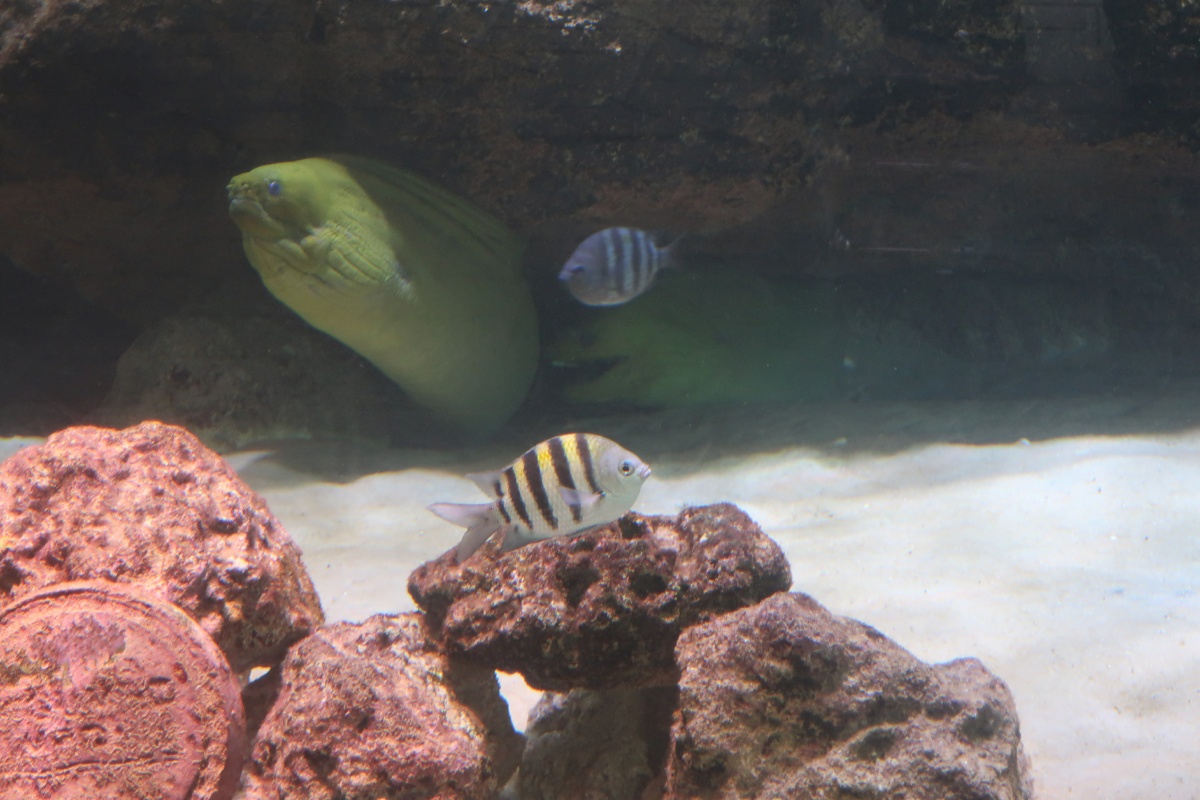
[
  {"x": 589, "y": 466},
  {"x": 533, "y": 478},
  {"x": 562, "y": 471},
  {"x": 500, "y": 502},
  {"x": 562, "y": 465},
  {"x": 514, "y": 494},
  {"x": 626, "y": 264}
]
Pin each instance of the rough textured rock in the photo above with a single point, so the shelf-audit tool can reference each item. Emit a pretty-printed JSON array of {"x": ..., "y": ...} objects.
[
  {"x": 151, "y": 505},
  {"x": 589, "y": 745},
  {"x": 375, "y": 710},
  {"x": 602, "y": 609},
  {"x": 112, "y": 692},
  {"x": 784, "y": 699},
  {"x": 234, "y": 381}
]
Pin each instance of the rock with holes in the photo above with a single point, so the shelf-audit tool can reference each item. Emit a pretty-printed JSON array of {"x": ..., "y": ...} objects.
[
  {"x": 374, "y": 710},
  {"x": 600, "y": 610},
  {"x": 597, "y": 745},
  {"x": 784, "y": 699},
  {"x": 150, "y": 505}
]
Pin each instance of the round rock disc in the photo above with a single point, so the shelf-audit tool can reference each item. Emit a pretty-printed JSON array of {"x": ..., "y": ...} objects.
[{"x": 109, "y": 692}]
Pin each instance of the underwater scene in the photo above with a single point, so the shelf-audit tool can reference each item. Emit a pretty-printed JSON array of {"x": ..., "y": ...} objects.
[{"x": 599, "y": 399}]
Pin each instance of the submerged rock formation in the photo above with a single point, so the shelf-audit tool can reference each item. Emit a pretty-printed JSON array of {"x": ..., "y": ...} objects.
[
  {"x": 152, "y": 506},
  {"x": 233, "y": 381},
  {"x": 109, "y": 691},
  {"x": 686, "y": 672},
  {"x": 375, "y": 710},
  {"x": 597, "y": 745},
  {"x": 602, "y": 609},
  {"x": 784, "y": 699}
]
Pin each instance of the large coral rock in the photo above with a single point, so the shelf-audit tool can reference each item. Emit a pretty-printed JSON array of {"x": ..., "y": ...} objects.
[
  {"x": 601, "y": 609},
  {"x": 151, "y": 505},
  {"x": 784, "y": 699},
  {"x": 375, "y": 710},
  {"x": 597, "y": 745}
]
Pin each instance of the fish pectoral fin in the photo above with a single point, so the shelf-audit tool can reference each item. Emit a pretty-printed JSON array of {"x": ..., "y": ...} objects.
[
  {"x": 514, "y": 539},
  {"x": 486, "y": 481},
  {"x": 352, "y": 251},
  {"x": 576, "y": 499},
  {"x": 475, "y": 537}
]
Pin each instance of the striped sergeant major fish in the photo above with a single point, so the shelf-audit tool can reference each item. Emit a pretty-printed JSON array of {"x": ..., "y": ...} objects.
[
  {"x": 615, "y": 265},
  {"x": 563, "y": 486}
]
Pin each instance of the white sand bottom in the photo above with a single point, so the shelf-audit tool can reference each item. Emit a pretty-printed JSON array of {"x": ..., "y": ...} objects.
[{"x": 1068, "y": 564}]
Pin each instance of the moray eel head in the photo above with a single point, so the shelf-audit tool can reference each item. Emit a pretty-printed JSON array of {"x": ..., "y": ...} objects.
[
  {"x": 277, "y": 201},
  {"x": 421, "y": 283}
]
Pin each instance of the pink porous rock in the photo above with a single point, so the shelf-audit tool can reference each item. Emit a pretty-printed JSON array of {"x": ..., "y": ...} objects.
[
  {"x": 602, "y": 609},
  {"x": 784, "y": 699},
  {"x": 108, "y": 692},
  {"x": 151, "y": 505},
  {"x": 377, "y": 710}
]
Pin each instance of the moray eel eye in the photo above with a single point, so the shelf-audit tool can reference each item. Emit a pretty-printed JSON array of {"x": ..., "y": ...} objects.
[{"x": 274, "y": 188}]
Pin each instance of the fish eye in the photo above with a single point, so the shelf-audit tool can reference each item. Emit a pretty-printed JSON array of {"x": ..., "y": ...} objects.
[
  {"x": 575, "y": 269},
  {"x": 274, "y": 188},
  {"x": 626, "y": 467}
]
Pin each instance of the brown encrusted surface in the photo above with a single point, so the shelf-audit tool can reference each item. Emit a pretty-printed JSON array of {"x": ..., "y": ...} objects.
[
  {"x": 597, "y": 745},
  {"x": 151, "y": 505},
  {"x": 784, "y": 699},
  {"x": 110, "y": 692},
  {"x": 601, "y": 609},
  {"x": 375, "y": 710}
]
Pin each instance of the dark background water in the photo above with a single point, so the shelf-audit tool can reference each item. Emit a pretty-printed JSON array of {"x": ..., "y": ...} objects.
[{"x": 886, "y": 201}]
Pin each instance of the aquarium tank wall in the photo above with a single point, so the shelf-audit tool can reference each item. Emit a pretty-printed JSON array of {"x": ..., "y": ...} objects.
[{"x": 599, "y": 398}]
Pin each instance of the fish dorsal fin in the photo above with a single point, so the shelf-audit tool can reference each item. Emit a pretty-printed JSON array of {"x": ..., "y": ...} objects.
[
  {"x": 487, "y": 482},
  {"x": 574, "y": 498}
]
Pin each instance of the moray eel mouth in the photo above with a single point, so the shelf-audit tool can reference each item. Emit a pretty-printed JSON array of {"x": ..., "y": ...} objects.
[
  {"x": 246, "y": 209},
  {"x": 274, "y": 223}
]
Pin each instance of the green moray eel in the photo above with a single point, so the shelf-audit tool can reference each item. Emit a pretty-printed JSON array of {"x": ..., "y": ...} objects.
[
  {"x": 704, "y": 338},
  {"x": 421, "y": 283}
]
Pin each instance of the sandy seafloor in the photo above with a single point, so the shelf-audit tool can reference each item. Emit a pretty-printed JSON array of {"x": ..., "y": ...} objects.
[{"x": 1058, "y": 541}]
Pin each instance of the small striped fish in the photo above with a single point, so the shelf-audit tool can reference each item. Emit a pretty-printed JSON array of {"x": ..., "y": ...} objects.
[
  {"x": 614, "y": 266},
  {"x": 564, "y": 485}
]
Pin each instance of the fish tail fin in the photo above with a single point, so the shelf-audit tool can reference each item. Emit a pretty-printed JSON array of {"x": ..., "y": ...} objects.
[
  {"x": 480, "y": 520},
  {"x": 670, "y": 257}
]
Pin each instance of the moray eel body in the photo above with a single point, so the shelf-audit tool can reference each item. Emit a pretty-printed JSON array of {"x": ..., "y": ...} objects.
[{"x": 420, "y": 282}]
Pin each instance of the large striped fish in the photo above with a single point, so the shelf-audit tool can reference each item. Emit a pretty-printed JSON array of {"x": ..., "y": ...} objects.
[
  {"x": 614, "y": 266},
  {"x": 564, "y": 485}
]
